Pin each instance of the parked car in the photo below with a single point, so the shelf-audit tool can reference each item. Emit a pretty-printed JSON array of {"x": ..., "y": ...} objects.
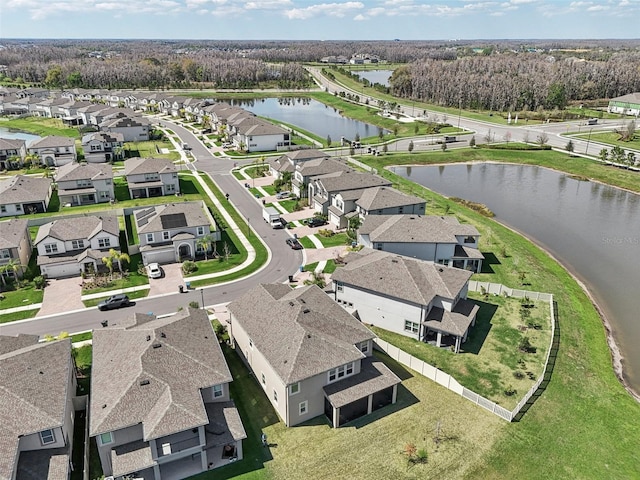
[
  {"x": 154, "y": 270},
  {"x": 185, "y": 146},
  {"x": 114, "y": 301},
  {"x": 294, "y": 244},
  {"x": 316, "y": 222},
  {"x": 283, "y": 195}
]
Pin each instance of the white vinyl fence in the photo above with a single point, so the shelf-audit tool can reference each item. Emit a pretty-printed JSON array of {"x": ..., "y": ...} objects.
[{"x": 451, "y": 383}]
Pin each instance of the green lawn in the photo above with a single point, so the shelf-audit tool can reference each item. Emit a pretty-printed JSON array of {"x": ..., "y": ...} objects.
[
  {"x": 610, "y": 138},
  {"x": 41, "y": 126},
  {"x": 288, "y": 205},
  {"x": 330, "y": 267},
  {"x": 22, "y": 315},
  {"x": 306, "y": 242},
  {"x": 335, "y": 240},
  {"x": 132, "y": 232},
  {"x": 133, "y": 279},
  {"x": 20, "y": 297},
  {"x": 151, "y": 148},
  {"x": 216, "y": 265}
]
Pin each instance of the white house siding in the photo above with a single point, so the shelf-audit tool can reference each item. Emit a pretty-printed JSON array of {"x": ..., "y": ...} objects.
[
  {"x": 380, "y": 311},
  {"x": 132, "y": 134},
  {"x": 61, "y": 270},
  {"x": 159, "y": 255},
  {"x": 262, "y": 143}
]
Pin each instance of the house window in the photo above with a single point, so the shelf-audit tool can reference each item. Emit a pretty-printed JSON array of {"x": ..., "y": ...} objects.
[
  {"x": 200, "y": 230},
  {"x": 339, "y": 287},
  {"x": 400, "y": 210},
  {"x": 104, "y": 242},
  {"x": 5, "y": 253},
  {"x": 263, "y": 379},
  {"x": 148, "y": 177},
  {"x": 294, "y": 388},
  {"x": 303, "y": 408},
  {"x": 378, "y": 246},
  {"x": 411, "y": 327},
  {"x": 47, "y": 437},
  {"x": 165, "y": 235},
  {"x": 275, "y": 396},
  {"x": 3, "y": 208},
  {"x": 50, "y": 248},
  {"x": 105, "y": 438},
  {"x": 340, "y": 372},
  {"x": 18, "y": 207},
  {"x": 77, "y": 244},
  {"x": 170, "y": 187},
  {"x": 149, "y": 237},
  {"x": 83, "y": 183},
  {"x": 217, "y": 391},
  {"x": 364, "y": 347}
]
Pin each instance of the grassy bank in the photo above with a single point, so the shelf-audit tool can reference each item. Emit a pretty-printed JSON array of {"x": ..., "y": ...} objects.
[{"x": 41, "y": 126}]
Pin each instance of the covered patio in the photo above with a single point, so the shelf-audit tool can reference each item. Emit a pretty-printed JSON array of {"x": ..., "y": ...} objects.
[
  {"x": 450, "y": 329},
  {"x": 467, "y": 258}
]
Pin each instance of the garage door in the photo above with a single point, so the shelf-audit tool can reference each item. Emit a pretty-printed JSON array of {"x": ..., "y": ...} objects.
[
  {"x": 159, "y": 256},
  {"x": 60, "y": 270}
]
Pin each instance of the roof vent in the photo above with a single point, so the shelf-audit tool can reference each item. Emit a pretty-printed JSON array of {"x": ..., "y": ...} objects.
[
  {"x": 104, "y": 406},
  {"x": 144, "y": 382},
  {"x": 41, "y": 372},
  {"x": 156, "y": 345},
  {"x": 394, "y": 261},
  {"x": 163, "y": 335},
  {"x": 302, "y": 300},
  {"x": 292, "y": 304},
  {"x": 306, "y": 310},
  {"x": 308, "y": 335},
  {"x": 148, "y": 338},
  {"x": 440, "y": 269}
]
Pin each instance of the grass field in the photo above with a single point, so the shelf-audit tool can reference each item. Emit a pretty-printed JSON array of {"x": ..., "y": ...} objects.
[
  {"x": 22, "y": 315},
  {"x": 41, "y": 126},
  {"x": 335, "y": 240},
  {"x": 18, "y": 298},
  {"x": 611, "y": 138}
]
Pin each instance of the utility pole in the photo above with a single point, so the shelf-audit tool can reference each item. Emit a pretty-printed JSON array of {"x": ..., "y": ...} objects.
[{"x": 586, "y": 152}]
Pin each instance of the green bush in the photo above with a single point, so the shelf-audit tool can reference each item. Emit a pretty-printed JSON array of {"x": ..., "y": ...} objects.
[
  {"x": 325, "y": 232},
  {"x": 39, "y": 282},
  {"x": 189, "y": 267}
]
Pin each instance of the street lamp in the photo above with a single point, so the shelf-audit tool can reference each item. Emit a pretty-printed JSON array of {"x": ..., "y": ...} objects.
[
  {"x": 248, "y": 227},
  {"x": 586, "y": 152},
  {"x": 202, "y": 297}
]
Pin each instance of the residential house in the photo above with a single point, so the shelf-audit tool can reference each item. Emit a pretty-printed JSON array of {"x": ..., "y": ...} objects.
[
  {"x": 160, "y": 406},
  {"x": 100, "y": 147},
  {"x": 34, "y": 92},
  {"x": 309, "y": 355},
  {"x": 85, "y": 184},
  {"x": 133, "y": 129},
  {"x": 87, "y": 112},
  {"x": 323, "y": 192},
  {"x": 151, "y": 177},
  {"x": 173, "y": 232},
  {"x": 54, "y": 151},
  {"x": 37, "y": 389},
  {"x": 70, "y": 112},
  {"x": 626, "y": 104},
  {"x": 404, "y": 295},
  {"x": 260, "y": 137},
  {"x": 97, "y": 116},
  {"x": 14, "y": 105},
  {"x": 306, "y": 170},
  {"x": 290, "y": 160},
  {"x": 442, "y": 240},
  {"x": 20, "y": 195},
  {"x": 12, "y": 152},
  {"x": 50, "y": 107},
  {"x": 70, "y": 246},
  {"x": 388, "y": 201},
  {"x": 15, "y": 247}
]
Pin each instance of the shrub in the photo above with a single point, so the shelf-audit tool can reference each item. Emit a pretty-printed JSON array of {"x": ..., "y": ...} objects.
[
  {"x": 518, "y": 374},
  {"x": 189, "y": 267},
  {"x": 510, "y": 391},
  {"x": 525, "y": 345},
  {"x": 325, "y": 232},
  {"x": 39, "y": 282},
  {"x": 194, "y": 304}
]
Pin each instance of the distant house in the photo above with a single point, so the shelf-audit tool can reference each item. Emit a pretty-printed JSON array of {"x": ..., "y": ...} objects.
[
  {"x": 305, "y": 171},
  {"x": 407, "y": 296},
  {"x": 441, "y": 240},
  {"x": 12, "y": 153},
  {"x": 37, "y": 389},
  {"x": 132, "y": 129},
  {"x": 85, "y": 184},
  {"x": 151, "y": 177},
  {"x": 626, "y": 104},
  {"x": 15, "y": 247},
  {"x": 259, "y": 137},
  {"x": 54, "y": 151},
  {"x": 160, "y": 405},
  {"x": 50, "y": 107},
  {"x": 101, "y": 147},
  {"x": 309, "y": 355},
  {"x": 388, "y": 201},
  {"x": 20, "y": 195},
  {"x": 70, "y": 246},
  {"x": 290, "y": 160},
  {"x": 172, "y": 233}
]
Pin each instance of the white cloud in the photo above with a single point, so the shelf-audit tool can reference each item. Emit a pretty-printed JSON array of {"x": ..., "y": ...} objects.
[{"x": 324, "y": 9}]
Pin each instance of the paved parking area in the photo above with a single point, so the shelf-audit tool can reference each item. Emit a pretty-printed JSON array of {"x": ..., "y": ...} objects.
[
  {"x": 61, "y": 295},
  {"x": 169, "y": 282}
]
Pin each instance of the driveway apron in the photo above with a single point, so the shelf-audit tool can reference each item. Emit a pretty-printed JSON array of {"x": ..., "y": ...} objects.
[{"x": 61, "y": 295}]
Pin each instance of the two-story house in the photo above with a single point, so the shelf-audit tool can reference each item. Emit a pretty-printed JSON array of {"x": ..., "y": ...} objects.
[
  {"x": 443, "y": 240},
  {"x": 290, "y": 160},
  {"x": 101, "y": 147},
  {"x": 151, "y": 177},
  {"x": 160, "y": 405},
  {"x": 172, "y": 233},
  {"x": 411, "y": 297},
  {"x": 15, "y": 247},
  {"x": 388, "y": 201},
  {"x": 85, "y": 184},
  {"x": 37, "y": 388},
  {"x": 12, "y": 152},
  {"x": 132, "y": 129},
  {"x": 72, "y": 245},
  {"x": 20, "y": 195},
  {"x": 261, "y": 137},
  {"x": 54, "y": 151},
  {"x": 309, "y": 355},
  {"x": 307, "y": 170}
]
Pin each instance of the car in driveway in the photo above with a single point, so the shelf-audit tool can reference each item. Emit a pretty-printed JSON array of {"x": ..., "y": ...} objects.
[
  {"x": 283, "y": 195},
  {"x": 154, "y": 270},
  {"x": 316, "y": 222},
  {"x": 294, "y": 244},
  {"x": 114, "y": 301}
]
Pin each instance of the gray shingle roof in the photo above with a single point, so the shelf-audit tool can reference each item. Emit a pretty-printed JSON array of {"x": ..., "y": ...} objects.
[
  {"x": 263, "y": 128},
  {"x": 322, "y": 166},
  {"x": 225, "y": 425},
  {"x": 103, "y": 137},
  {"x": 85, "y": 227},
  {"x": 23, "y": 189},
  {"x": 12, "y": 232},
  {"x": 53, "y": 141},
  {"x": 131, "y": 457},
  {"x": 455, "y": 322},
  {"x": 306, "y": 154},
  {"x": 307, "y": 334},
  {"x": 351, "y": 180},
  {"x": 137, "y": 165},
  {"x": 48, "y": 464},
  {"x": 630, "y": 97},
  {"x": 401, "y": 277},
  {"x": 193, "y": 214},
  {"x": 386, "y": 197},
  {"x": 414, "y": 229},
  {"x": 82, "y": 171},
  {"x": 34, "y": 378},
  {"x": 11, "y": 143},
  {"x": 177, "y": 356}
]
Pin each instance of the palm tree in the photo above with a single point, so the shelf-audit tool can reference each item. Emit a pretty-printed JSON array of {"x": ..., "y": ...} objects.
[
  {"x": 119, "y": 257},
  {"x": 205, "y": 242},
  {"x": 108, "y": 261},
  {"x": 12, "y": 265}
]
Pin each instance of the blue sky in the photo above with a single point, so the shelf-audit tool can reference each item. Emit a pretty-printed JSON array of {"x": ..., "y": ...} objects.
[{"x": 319, "y": 19}]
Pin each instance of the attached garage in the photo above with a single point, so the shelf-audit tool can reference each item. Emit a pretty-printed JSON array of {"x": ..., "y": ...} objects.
[
  {"x": 160, "y": 255},
  {"x": 60, "y": 270}
]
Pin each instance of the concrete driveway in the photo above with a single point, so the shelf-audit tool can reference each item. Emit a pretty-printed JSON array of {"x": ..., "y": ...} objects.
[
  {"x": 169, "y": 281},
  {"x": 61, "y": 295}
]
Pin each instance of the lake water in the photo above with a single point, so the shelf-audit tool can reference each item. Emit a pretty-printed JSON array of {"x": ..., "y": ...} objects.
[
  {"x": 375, "y": 76},
  {"x": 593, "y": 229},
  {"x": 310, "y": 115},
  {"x": 6, "y": 133}
]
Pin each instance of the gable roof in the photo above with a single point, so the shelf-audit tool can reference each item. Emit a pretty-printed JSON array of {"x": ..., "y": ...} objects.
[
  {"x": 170, "y": 217},
  {"x": 378, "y": 198},
  {"x": 399, "y": 277},
  {"x": 85, "y": 227},
  {"x": 415, "y": 229},
  {"x": 630, "y": 98},
  {"x": 150, "y": 370},
  {"x": 351, "y": 180},
  {"x": 138, "y": 165},
  {"x": 11, "y": 144},
  {"x": 81, "y": 171},
  {"x": 34, "y": 378},
  {"x": 12, "y": 232},
  {"x": 53, "y": 141},
  {"x": 22, "y": 189},
  {"x": 306, "y": 154},
  {"x": 322, "y": 166},
  {"x": 307, "y": 334},
  {"x": 103, "y": 137}
]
